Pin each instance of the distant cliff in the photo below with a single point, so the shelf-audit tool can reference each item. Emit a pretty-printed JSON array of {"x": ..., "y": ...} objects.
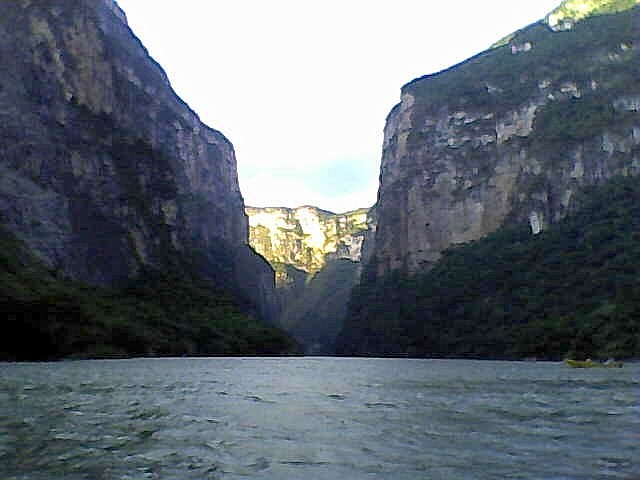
[
  {"x": 307, "y": 237},
  {"x": 317, "y": 256},
  {"x": 105, "y": 172},
  {"x": 522, "y": 134}
]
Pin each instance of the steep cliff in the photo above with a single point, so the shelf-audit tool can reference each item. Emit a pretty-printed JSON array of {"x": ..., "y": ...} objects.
[
  {"x": 104, "y": 168},
  {"x": 513, "y": 136},
  {"x": 572, "y": 290},
  {"x": 314, "y": 315},
  {"x": 316, "y": 256},
  {"x": 104, "y": 171},
  {"x": 307, "y": 237}
]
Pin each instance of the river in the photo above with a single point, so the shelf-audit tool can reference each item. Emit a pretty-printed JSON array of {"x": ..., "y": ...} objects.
[{"x": 317, "y": 418}]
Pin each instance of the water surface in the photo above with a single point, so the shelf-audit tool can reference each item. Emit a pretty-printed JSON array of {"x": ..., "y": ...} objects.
[{"x": 317, "y": 418}]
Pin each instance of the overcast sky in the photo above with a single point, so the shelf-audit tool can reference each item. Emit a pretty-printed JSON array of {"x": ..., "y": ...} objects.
[{"x": 302, "y": 88}]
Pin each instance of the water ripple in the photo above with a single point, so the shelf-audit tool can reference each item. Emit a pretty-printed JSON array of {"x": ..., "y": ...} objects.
[{"x": 277, "y": 419}]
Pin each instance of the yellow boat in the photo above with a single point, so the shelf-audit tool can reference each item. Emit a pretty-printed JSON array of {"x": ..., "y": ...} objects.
[{"x": 588, "y": 363}]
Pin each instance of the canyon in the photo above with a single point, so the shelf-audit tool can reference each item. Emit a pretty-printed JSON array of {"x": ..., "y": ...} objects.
[
  {"x": 317, "y": 257},
  {"x": 124, "y": 231}
]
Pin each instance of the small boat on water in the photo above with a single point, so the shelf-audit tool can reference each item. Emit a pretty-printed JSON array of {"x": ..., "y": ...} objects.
[{"x": 588, "y": 363}]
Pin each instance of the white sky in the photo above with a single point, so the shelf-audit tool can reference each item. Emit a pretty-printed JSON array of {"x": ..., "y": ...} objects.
[{"x": 302, "y": 88}]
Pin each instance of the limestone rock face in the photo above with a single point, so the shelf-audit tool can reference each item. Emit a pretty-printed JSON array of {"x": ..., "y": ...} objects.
[
  {"x": 317, "y": 257},
  {"x": 307, "y": 237},
  {"x": 509, "y": 135},
  {"x": 103, "y": 168}
]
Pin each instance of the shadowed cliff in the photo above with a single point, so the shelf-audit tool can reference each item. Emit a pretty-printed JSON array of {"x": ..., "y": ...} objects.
[{"x": 105, "y": 173}]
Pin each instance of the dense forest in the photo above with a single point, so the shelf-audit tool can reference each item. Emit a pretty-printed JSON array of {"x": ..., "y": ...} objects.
[
  {"x": 173, "y": 312},
  {"x": 572, "y": 290}
]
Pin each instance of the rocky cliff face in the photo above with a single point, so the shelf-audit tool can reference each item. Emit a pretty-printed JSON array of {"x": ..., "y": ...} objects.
[
  {"x": 103, "y": 169},
  {"x": 511, "y": 134},
  {"x": 307, "y": 237},
  {"x": 316, "y": 256}
]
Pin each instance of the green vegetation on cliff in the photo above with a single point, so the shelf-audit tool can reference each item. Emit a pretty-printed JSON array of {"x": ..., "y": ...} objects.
[
  {"x": 314, "y": 315},
  {"x": 596, "y": 49},
  {"x": 315, "y": 256},
  {"x": 575, "y": 10},
  {"x": 175, "y": 312},
  {"x": 572, "y": 290}
]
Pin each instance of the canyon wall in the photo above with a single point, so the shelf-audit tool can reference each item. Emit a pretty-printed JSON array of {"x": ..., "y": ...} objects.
[
  {"x": 104, "y": 170},
  {"x": 509, "y": 135}
]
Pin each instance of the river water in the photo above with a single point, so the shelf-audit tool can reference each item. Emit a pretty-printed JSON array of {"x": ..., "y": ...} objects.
[{"x": 317, "y": 418}]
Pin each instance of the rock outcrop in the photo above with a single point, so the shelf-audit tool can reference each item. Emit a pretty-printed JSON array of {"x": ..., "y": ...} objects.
[
  {"x": 511, "y": 134},
  {"x": 317, "y": 256},
  {"x": 104, "y": 170},
  {"x": 307, "y": 237}
]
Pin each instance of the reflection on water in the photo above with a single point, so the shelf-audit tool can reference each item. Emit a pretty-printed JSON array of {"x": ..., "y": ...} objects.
[{"x": 317, "y": 418}]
